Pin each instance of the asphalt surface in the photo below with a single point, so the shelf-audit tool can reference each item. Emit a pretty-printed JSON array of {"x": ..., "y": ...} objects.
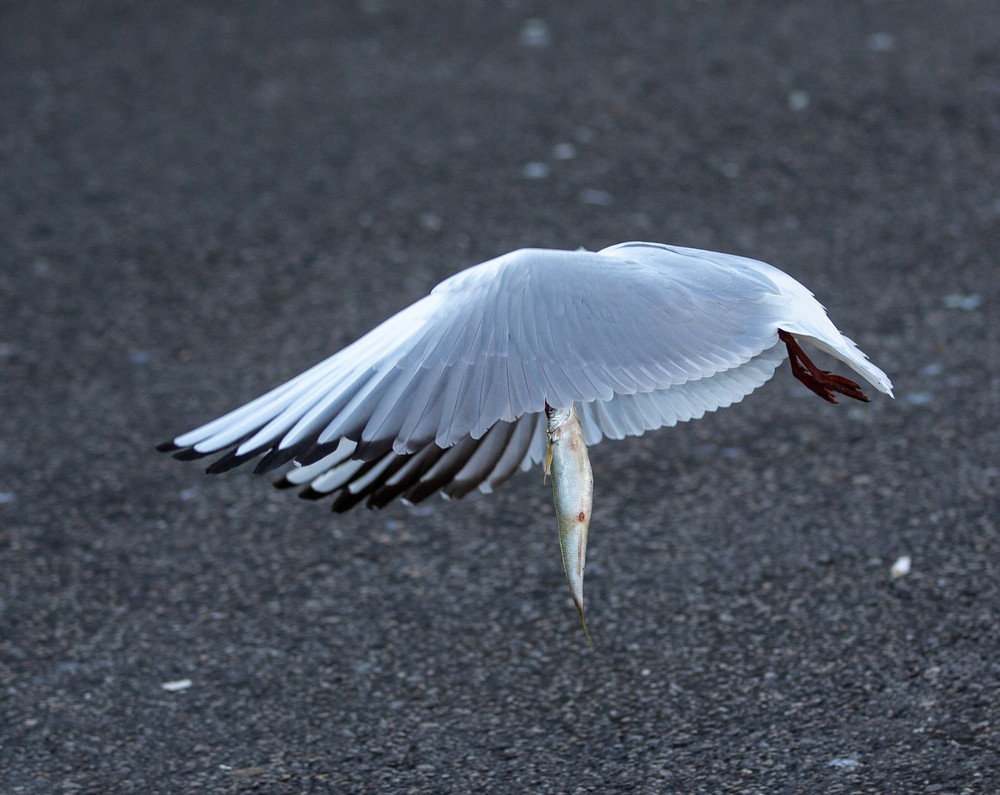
[{"x": 199, "y": 200}]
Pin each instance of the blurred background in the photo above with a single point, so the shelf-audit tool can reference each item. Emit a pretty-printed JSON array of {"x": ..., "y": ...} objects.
[{"x": 198, "y": 200}]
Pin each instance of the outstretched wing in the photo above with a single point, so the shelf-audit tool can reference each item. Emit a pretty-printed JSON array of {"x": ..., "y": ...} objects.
[{"x": 447, "y": 393}]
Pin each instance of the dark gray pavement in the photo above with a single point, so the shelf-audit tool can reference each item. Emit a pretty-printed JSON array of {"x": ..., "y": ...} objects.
[{"x": 198, "y": 200}]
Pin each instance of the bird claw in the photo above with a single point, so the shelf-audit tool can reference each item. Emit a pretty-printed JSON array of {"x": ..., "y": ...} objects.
[{"x": 822, "y": 382}]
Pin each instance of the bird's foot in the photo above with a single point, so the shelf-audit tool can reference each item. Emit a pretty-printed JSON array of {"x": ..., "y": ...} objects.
[{"x": 822, "y": 382}]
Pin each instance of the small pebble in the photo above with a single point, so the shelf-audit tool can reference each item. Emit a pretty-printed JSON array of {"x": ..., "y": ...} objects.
[
  {"x": 881, "y": 42},
  {"x": 798, "y": 100},
  {"x": 535, "y": 170},
  {"x": 595, "y": 196},
  {"x": 730, "y": 170},
  {"x": 431, "y": 222},
  {"x": 177, "y": 685},
  {"x": 900, "y": 568},
  {"x": 534, "y": 33},
  {"x": 967, "y": 303},
  {"x": 564, "y": 151}
]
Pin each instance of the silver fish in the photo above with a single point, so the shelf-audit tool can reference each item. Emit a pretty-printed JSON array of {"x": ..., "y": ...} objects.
[{"x": 573, "y": 493}]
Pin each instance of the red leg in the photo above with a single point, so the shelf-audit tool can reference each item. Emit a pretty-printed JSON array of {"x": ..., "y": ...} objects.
[{"x": 822, "y": 382}]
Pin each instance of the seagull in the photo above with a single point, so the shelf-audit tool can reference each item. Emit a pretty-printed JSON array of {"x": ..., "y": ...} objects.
[{"x": 530, "y": 358}]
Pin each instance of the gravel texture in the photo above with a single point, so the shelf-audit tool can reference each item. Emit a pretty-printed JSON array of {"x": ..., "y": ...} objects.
[{"x": 201, "y": 199}]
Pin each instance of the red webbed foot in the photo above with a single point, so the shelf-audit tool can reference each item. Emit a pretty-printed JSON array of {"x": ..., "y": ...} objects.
[{"x": 822, "y": 382}]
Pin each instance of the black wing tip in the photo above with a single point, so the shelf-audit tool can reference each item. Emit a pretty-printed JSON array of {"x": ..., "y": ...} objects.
[
  {"x": 187, "y": 454},
  {"x": 230, "y": 461},
  {"x": 277, "y": 457},
  {"x": 347, "y": 499},
  {"x": 309, "y": 493},
  {"x": 314, "y": 453},
  {"x": 168, "y": 447}
]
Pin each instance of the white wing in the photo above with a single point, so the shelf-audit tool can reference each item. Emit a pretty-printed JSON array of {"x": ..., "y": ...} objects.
[{"x": 447, "y": 394}]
